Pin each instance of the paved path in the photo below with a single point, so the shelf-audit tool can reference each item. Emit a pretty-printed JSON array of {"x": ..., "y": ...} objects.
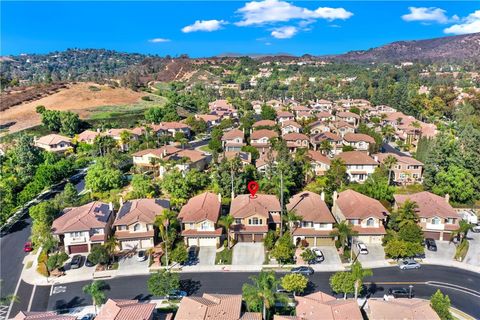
[{"x": 248, "y": 254}]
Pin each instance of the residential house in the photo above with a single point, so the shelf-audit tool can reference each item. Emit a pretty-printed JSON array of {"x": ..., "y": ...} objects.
[
  {"x": 285, "y": 116},
  {"x": 325, "y": 116},
  {"x": 210, "y": 119},
  {"x": 53, "y": 143},
  {"x": 305, "y": 116},
  {"x": 359, "y": 165},
  {"x": 275, "y": 104},
  {"x": 366, "y": 215},
  {"x": 296, "y": 140},
  {"x": 265, "y": 161},
  {"x": 409, "y": 309},
  {"x": 149, "y": 157},
  {"x": 199, "y": 217},
  {"x": 437, "y": 217},
  {"x": 334, "y": 141},
  {"x": 319, "y": 127},
  {"x": 407, "y": 170},
  {"x": 223, "y": 108},
  {"x": 214, "y": 306},
  {"x": 134, "y": 225},
  {"x": 290, "y": 127},
  {"x": 116, "y": 134},
  {"x": 233, "y": 140},
  {"x": 47, "y": 315},
  {"x": 254, "y": 216},
  {"x": 319, "y": 305},
  {"x": 244, "y": 157},
  {"x": 261, "y": 139},
  {"x": 257, "y": 106},
  {"x": 318, "y": 162},
  {"x": 264, "y": 124},
  {"x": 81, "y": 228},
  {"x": 300, "y": 109},
  {"x": 358, "y": 141},
  {"x": 171, "y": 128},
  {"x": 120, "y": 309},
  {"x": 341, "y": 128},
  {"x": 317, "y": 220},
  {"x": 88, "y": 136},
  {"x": 349, "y": 117},
  {"x": 322, "y": 105}
]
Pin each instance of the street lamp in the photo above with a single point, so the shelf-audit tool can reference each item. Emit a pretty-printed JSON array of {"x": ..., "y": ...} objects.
[{"x": 410, "y": 292}]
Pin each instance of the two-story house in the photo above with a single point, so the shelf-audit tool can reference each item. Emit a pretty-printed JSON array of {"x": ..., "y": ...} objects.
[
  {"x": 254, "y": 216},
  {"x": 341, "y": 128},
  {"x": 358, "y": 141},
  {"x": 365, "y": 214},
  {"x": 170, "y": 128},
  {"x": 264, "y": 124},
  {"x": 407, "y": 170},
  {"x": 261, "y": 139},
  {"x": 88, "y": 136},
  {"x": 121, "y": 309},
  {"x": 53, "y": 143},
  {"x": 317, "y": 220},
  {"x": 319, "y": 127},
  {"x": 322, "y": 104},
  {"x": 134, "y": 225},
  {"x": 233, "y": 140},
  {"x": 437, "y": 217},
  {"x": 334, "y": 142},
  {"x": 211, "y": 120},
  {"x": 80, "y": 228},
  {"x": 296, "y": 141},
  {"x": 199, "y": 217},
  {"x": 318, "y": 162},
  {"x": 348, "y": 117},
  {"x": 285, "y": 116},
  {"x": 149, "y": 157},
  {"x": 300, "y": 109},
  {"x": 290, "y": 127},
  {"x": 359, "y": 165},
  {"x": 325, "y": 116}
]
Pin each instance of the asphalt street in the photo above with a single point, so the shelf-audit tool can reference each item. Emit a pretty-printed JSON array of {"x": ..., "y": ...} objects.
[{"x": 465, "y": 297}]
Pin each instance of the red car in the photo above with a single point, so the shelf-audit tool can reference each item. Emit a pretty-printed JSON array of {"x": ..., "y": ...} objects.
[{"x": 27, "y": 247}]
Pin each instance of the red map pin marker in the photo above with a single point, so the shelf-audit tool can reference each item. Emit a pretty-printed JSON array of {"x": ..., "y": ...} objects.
[{"x": 253, "y": 188}]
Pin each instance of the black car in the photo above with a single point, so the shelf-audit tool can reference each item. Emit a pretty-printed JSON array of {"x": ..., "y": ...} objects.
[
  {"x": 306, "y": 271},
  {"x": 399, "y": 292},
  {"x": 76, "y": 262},
  {"x": 431, "y": 245},
  {"x": 89, "y": 263}
]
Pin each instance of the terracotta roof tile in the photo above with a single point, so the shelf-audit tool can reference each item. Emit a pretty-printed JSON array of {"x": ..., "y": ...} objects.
[
  {"x": 232, "y": 134},
  {"x": 52, "y": 139},
  {"x": 210, "y": 307},
  {"x": 318, "y": 157},
  {"x": 264, "y": 123},
  {"x": 48, "y": 315},
  {"x": 205, "y": 206},
  {"x": 429, "y": 205},
  {"x": 355, "y": 205},
  {"x": 140, "y": 210},
  {"x": 293, "y": 136},
  {"x": 322, "y": 306},
  {"x": 244, "y": 206},
  {"x": 311, "y": 207},
  {"x": 356, "y": 157},
  {"x": 290, "y": 123},
  {"x": 257, "y": 134},
  {"x": 409, "y": 309},
  {"x": 401, "y": 159},
  {"x": 91, "y": 215},
  {"x": 125, "y": 310},
  {"x": 356, "y": 137}
]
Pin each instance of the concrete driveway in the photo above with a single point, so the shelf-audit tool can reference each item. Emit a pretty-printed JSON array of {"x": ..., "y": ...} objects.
[
  {"x": 248, "y": 254},
  {"x": 129, "y": 266},
  {"x": 375, "y": 253},
  {"x": 331, "y": 256},
  {"x": 473, "y": 254},
  {"x": 445, "y": 251},
  {"x": 206, "y": 256}
]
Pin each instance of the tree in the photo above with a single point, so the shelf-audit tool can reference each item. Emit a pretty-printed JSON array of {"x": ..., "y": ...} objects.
[
  {"x": 162, "y": 283},
  {"x": 42, "y": 216},
  {"x": 103, "y": 177},
  {"x": 70, "y": 123},
  {"x": 407, "y": 214},
  {"x": 325, "y": 147},
  {"x": 441, "y": 304},
  {"x": 164, "y": 223},
  {"x": 215, "y": 143},
  {"x": 389, "y": 162},
  {"x": 27, "y": 156},
  {"x": 411, "y": 233},
  {"x": 268, "y": 113},
  {"x": 284, "y": 249},
  {"x": 458, "y": 182},
  {"x": 462, "y": 231},
  {"x": 95, "y": 290},
  {"x": 226, "y": 222},
  {"x": 154, "y": 114},
  {"x": 125, "y": 139},
  {"x": 180, "y": 254},
  {"x": 68, "y": 197},
  {"x": 342, "y": 282},
  {"x": 142, "y": 187},
  {"x": 377, "y": 186},
  {"x": 336, "y": 177},
  {"x": 56, "y": 260},
  {"x": 261, "y": 296},
  {"x": 294, "y": 282},
  {"x": 343, "y": 231},
  {"x": 99, "y": 255},
  {"x": 359, "y": 274},
  {"x": 111, "y": 246}
]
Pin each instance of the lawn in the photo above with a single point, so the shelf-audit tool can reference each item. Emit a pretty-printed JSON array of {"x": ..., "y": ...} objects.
[
  {"x": 224, "y": 256},
  {"x": 135, "y": 109}
]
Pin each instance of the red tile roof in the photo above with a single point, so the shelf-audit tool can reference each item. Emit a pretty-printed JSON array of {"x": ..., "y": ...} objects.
[
  {"x": 357, "y": 137},
  {"x": 125, "y": 310},
  {"x": 141, "y": 210},
  {"x": 311, "y": 207},
  {"x": 232, "y": 134},
  {"x": 409, "y": 309},
  {"x": 205, "y": 206},
  {"x": 91, "y": 215},
  {"x": 52, "y": 139},
  {"x": 290, "y": 123},
  {"x": 258, "y": 134},
  {"x": 355, "y": 205},
  {"x": 318, "y": 157},
  {"x": 48, "y": 315},
  {"x": 401, "y": 159},
  {"x": 319, "y": 305},
  {"x": 356, "y": 157},
  {"x": 293, "y": 136},
  {"x": 244, "y": 206},
  {"x": 429, "y": 205},
  {"x": 264, "y": 123}
]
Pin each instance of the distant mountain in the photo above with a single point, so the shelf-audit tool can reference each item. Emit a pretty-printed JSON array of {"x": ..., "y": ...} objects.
[{"x": 463, "y": 47}]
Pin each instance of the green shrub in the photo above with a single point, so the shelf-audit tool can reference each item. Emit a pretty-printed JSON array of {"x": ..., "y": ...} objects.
[
  {"x": 94, "y": 88},
  {"x": 441, "y": 304},
  {"x": 462, "y": 250}
]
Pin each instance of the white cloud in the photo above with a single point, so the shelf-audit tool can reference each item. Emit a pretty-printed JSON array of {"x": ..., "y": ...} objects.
[
  {"x": 424, "y": 14},
  {"x": 159, "y": 40},
  {"x": 470, "y": 24},
  {"x": 204, "y": 25},
  {"x": 284, "y": 32},
  {"x": 270, "y": 11}
]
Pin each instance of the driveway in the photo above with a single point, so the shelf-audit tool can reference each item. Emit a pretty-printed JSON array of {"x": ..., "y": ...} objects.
[
  {"x": 331, "y": 256},
  {"x": 376, "y": 253},
  {"x": 473, "y": 254},
  {"x": 206, "y": 256},
  {"x": 248, "y": 254},
  {"x": 445, "y": 251},
  {"x": 129, "y": 266}
]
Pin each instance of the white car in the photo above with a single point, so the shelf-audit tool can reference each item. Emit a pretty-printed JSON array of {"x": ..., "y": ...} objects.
[
  {"x": 476, "y": 229},
  {"x": 141, "y": 255},
  {"x": 319, "y": 255},
  {"x": 362, "y": 248}
]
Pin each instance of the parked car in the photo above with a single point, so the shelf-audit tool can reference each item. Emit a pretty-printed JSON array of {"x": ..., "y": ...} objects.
[
  {"x": 431, "y": 245},
  {"x": 306, "y": 271},
  {"x": 408, "y": 264},
  {"x": 469, "y": 216},
  {"x": 76, "y": 261},
  {"x": 362, "y": 248},
  {"x": 476, "y": 228},
  {"x": 141, "y": 255},
  {"x": 28, "y": 247},
  {"x": 399, "y": 292},
  {"x": 176, "y": 294},
  {"x": 318, "y": 254},
  {"x": 89, "y": 316},
  {"x": 89, "y": 263},
  {"x": 193, "y": 252}
]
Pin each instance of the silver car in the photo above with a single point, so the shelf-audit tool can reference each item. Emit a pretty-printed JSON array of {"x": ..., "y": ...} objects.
[{"x": 408, "y": 264}]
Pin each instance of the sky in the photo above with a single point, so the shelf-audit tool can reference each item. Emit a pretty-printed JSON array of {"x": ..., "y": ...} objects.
[{"x": 201, "y": 28}]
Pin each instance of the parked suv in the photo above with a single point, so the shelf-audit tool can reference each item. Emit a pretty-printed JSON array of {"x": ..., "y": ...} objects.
[
  {"x": 319, "y": 257},
  {"x": 398, "y": 292},
  {"x": 431, "y": 245}
]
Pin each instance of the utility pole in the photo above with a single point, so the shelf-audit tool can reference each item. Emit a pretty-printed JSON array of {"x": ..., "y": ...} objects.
[
  {"x": 281, "y": 202},
  {"x": 231, "y": 182}
]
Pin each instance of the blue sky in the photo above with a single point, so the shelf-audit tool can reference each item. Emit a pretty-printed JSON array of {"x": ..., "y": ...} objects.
[{"x": 209, "y": 28}]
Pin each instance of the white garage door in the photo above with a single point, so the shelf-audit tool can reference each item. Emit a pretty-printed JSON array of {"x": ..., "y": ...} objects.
[
  {"x": 208, "y": 242},
  {"x": 192, "y": 242},
  {"x": 130, "y": 244},
  {"x": 370, "y": 239}
]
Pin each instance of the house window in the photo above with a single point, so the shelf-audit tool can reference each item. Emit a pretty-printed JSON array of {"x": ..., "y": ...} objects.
[
  {"x": 238, "y": 221},
  {"x": 370, "y": 222},
  {"x": 255, "y": 221},
  {"x": 436, "y": 220},
  {"x": 423, "y": 220},
  {"x": 204, "y": 226},
  {"x": 450, "y": 221},
  {"x": 77, "y": 234},
  {"x": 307, "y": 224},
  {"x": 354, "y": 221},
  {"x": 136, "y": 227}
]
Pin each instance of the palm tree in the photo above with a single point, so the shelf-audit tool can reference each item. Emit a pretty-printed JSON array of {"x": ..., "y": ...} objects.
[
  {"x": 407, "y": 213},
  {"x": 261, "y": 295},
  {"x": 358, "y": 274},
  {"x": 163, "y": 222},
  {"x": 462, "y": 230},
  {"x": 95, "y": 290},
  {"x": 125, "y": 138},
  {"x": 388, "y": 132},
  {"x": 226, "y": 222},
  {"x": 291, "y": 218},
  {"x": 343, "y": 231},
  {"x": 325, "y": 147},
  {"x": 111, "y": 245},
  {"x": 389, "y": 162}
]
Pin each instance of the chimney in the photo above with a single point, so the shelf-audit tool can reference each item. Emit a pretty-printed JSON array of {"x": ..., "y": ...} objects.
[
  {"x": 110, "y": 206},
  {"x": 121, "y": 202},
  {"x": 98, "y": 130},
  {"x": 322, "y": 196},
  {"x": 334, "y": 198},
  {"x": 447, "y": 198},
  {"x": 220, "y": 197}
]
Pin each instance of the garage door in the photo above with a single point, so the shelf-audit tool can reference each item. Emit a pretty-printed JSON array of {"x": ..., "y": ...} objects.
[
  {"x": 244, "y": 238},
  {"x": 311, "y": 241},
  {"x": 325, "y": 242},
  {"x": 447, "y": 236},
  {"x": 130, "y": 244},
  {"x": 208, "y": 242},
  {"x": 79, "y": 248},
  {"x": 433, "y": 235},
  {"x": 192, "y": 242},
  {"x": 258, "y": 237}
]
